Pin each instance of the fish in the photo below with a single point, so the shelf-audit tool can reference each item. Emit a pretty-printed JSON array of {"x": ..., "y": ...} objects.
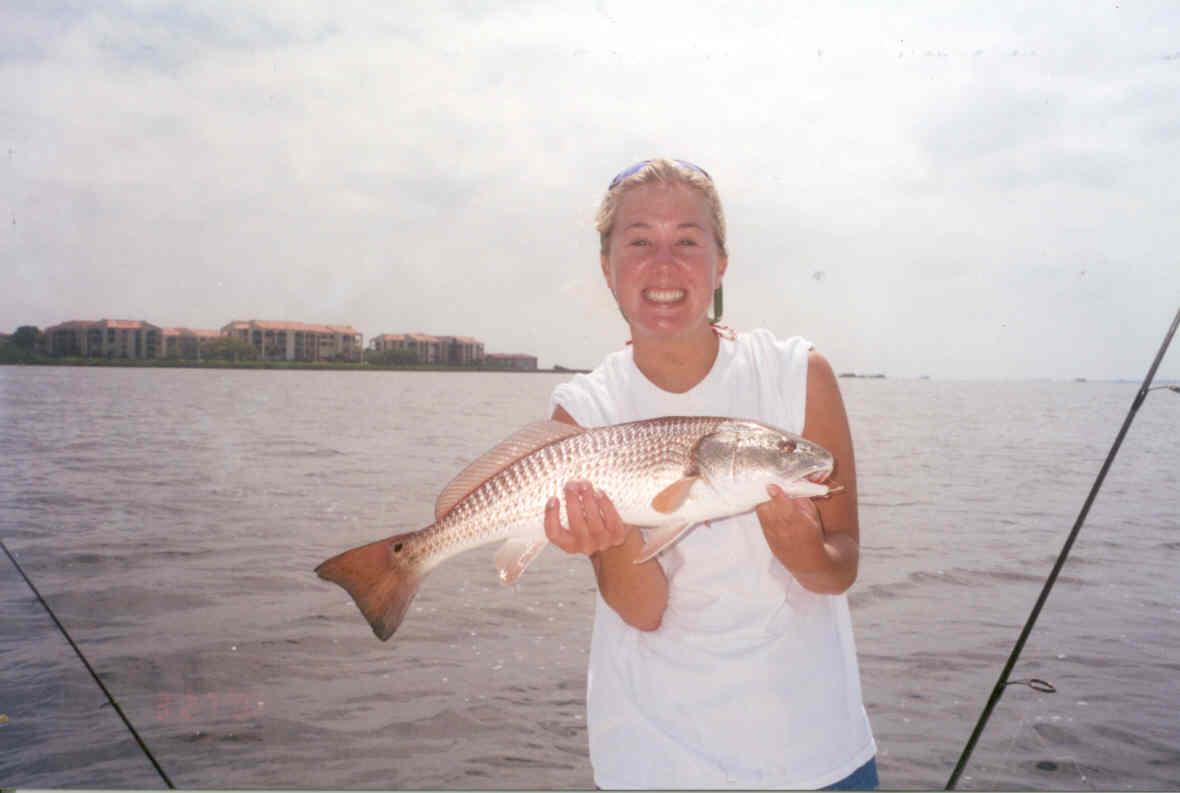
[{"x": 663, "y": 475}]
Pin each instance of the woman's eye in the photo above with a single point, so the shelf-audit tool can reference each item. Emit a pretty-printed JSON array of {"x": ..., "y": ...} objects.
[
  {"x": 687, "y": 241},
  {"x": 639, "y": 242}
]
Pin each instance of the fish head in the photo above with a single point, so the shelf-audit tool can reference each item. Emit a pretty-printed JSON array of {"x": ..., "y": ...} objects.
[{"x": 740, "y": 458}]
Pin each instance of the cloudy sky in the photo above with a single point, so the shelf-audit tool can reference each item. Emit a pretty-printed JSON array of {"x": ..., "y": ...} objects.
[{"x": 962, "y": 193}]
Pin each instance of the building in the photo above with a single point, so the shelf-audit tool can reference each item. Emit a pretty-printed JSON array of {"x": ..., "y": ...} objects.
[
  {"x": 187, "y": 343},
  {"x": 502, "y": 360},
  {"x": 105, "y": 338},
  {"x": 428, "y": 348},
  {"x": 298, "y": 341},
  {"x": 464, "y": 351},
  {"x": 449, "y": 350},
  {"x": 389, "y": 341}
]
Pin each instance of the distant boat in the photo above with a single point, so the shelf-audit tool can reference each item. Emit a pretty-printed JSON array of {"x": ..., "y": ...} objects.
[
  {"x": 924, "y": 377},
  {"x": 1079, "y": 379}
]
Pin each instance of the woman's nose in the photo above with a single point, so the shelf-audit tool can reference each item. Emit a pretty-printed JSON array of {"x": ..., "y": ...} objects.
[{"x": 665, "y": 256}]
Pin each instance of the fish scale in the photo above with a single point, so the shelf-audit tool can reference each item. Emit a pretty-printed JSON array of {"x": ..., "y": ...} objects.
[{"x": 617, "y": 459}]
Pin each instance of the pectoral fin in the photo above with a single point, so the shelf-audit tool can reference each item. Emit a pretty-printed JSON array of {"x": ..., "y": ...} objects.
[
  {"x": 671, "y": 497},
  {"x": 657, "y": 540},
  {"x": 514, "y": 556}
]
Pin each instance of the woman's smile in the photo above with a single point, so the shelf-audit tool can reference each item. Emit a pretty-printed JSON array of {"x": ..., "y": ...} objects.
[{"x": 664, "y": 296}]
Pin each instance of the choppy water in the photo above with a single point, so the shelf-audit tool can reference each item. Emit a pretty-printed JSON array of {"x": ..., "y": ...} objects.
[{"x": 172, "y": 518}]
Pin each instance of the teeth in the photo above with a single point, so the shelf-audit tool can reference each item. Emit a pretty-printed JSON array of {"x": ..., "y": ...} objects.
[{"x": 664, "y": 295}]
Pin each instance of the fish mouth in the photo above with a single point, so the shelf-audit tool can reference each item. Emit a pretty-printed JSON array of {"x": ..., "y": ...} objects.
[{"x": 819, "y": 477}]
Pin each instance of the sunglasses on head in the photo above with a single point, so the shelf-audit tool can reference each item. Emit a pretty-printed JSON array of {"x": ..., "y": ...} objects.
[{"x": 623, "y": 174}]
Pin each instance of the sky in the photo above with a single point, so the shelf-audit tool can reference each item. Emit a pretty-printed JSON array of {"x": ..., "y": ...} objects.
[{"x": 981, "y": 192}]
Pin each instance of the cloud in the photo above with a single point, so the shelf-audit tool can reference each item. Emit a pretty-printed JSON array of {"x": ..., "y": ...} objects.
[{"x": 437, "y": 168}]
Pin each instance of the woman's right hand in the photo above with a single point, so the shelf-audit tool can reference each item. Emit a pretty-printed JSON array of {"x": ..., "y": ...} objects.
[
  {"x": 594, "y": 523},
  {"x": 637, "y": 592}
]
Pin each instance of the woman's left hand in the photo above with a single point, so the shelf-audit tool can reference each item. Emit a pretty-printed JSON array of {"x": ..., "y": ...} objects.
[{"x": 794, "y": 532}]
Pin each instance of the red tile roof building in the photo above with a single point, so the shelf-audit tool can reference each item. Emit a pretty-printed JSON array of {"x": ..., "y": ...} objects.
[
  {"x": 297, "y": 341},
  {"x": 451, "y": 350},
  {"x": 105, "y": 338},
  {"x": 187, "y": 343}
]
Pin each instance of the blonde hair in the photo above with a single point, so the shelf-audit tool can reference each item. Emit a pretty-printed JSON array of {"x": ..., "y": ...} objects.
[{"x": 664, "y": 172}]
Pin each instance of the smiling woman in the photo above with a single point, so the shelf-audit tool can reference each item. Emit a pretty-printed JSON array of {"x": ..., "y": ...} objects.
[
  {"x": 728, "y": 660},
  {"x": 670, "y": 236}
]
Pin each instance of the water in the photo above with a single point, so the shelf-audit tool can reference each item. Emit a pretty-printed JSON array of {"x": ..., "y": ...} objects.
[{"x": 172, "y": 518}]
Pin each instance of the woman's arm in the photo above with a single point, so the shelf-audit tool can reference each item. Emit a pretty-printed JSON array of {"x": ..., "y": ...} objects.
[
  {"x": 819, "y": 541},
  {"x": 637, "y": 592}
]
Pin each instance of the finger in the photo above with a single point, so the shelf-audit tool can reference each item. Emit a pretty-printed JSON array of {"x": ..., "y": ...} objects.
[
  {"x": 596, "y": 530},
  {"x": 768, "y": 515},
  {"x": 808, "y": 510},
  {"x": 575, "y": 512},
  {"x": 615, "y": 526},
  {"x": 557, "y": 534},
  {"x": 778, "y": 495},
  {"x": 780, "y": 506}
]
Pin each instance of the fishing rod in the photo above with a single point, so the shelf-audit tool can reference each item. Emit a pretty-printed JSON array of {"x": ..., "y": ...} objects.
[
  {"x": 1040, "y": 685},
  {"x": 90, "y": 669}
]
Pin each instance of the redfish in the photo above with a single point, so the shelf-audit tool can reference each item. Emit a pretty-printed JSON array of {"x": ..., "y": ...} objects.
[{"x": 663, "y": 475}]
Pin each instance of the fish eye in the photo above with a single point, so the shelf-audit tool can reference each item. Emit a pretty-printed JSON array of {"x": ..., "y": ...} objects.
[{"x": 786, "y": 446}]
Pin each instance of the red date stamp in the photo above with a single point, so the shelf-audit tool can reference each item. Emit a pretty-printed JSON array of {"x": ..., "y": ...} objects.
[{"x": 211, "y": 706}]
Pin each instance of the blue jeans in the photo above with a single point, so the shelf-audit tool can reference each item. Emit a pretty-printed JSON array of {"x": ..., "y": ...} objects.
[{"x": 863, "y": 778}]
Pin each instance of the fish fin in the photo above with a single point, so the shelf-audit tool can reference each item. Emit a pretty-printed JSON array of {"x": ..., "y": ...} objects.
[
  {"x": 514, "y": 556},
  {"x": 520, "y": 444},
  {"x": 656, "y": 540},
  {"x": 673, "y": 496},
  {"x": 378, "y": 580}
]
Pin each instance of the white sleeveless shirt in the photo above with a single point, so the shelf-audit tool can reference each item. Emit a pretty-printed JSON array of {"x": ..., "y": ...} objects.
[{"x": 750, "y": 680}]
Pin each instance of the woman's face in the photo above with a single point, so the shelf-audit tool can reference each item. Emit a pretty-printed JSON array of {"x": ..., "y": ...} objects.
[{"x": 662, "y": 263}]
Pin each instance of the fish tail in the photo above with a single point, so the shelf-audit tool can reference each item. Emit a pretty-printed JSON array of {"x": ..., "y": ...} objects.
[{"x": 380, "y": 578}]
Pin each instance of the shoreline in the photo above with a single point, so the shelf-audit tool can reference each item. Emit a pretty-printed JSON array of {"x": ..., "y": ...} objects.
[
  {"x": 271, "y": 365},
  {"x": 351, "y": 366}
]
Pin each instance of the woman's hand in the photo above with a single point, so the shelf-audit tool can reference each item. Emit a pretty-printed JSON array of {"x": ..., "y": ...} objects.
[
  {"x": 595, "y": 525},
  {"x": 637, "y": 592},
  {"x": 823, "y": 562},
  {"x": 819, "y": 543},
  {"x": 793, "y": 530}
]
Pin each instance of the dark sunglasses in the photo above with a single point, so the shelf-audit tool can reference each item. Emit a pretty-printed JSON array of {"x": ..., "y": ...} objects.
[{"x": 623, "y": 174}]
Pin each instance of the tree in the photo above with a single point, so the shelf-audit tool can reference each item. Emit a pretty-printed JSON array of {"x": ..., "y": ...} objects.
[
  {"x": 26, "y": 337},
  {"x": 393, "y": 357},
  {"x": 229, "y": 348}
]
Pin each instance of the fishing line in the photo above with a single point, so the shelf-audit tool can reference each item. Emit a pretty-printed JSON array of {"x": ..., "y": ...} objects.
[
  {"x": 89, "y": 669},
  {"x": 1003, "y": 681}
]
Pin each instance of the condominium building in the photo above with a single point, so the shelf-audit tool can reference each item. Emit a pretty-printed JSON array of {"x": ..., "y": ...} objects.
[
  {"x": 297, "y": 341},
  {"x": 105, "y": 338},
  {"x": 187, "y": 343},
  {"x": 390, "y": 341},
  {"x": 451, "y": 350},
  {"x": 464, "y": 351}
]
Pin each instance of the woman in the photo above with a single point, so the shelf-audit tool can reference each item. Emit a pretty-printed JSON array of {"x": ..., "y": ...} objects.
[{"x": 729, "y": 659}]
